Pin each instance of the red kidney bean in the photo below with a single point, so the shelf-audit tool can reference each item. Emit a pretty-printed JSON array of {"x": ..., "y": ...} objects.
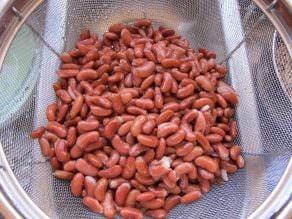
[
  {"x": 235, "y": 152},
  {"x": 109, "y": 209},
  {"x": 141, "y": 166},
  {"x": 84, "y": 167},
  {"x": 70, "y": 166},
  {"x": 149, "y": 126},
  {"x": 130, "y": 168},
  {"x": 99, "y": 111},
  {"x": 166, "y": 83},
  {"x": 147, "y": 140},
  {"x": 190, "y": 197},
  {"x": 121, "y": 146},
  {"x": 87, "y": 138},
  {"x": 131, "y": 213},
  {"x": 87, "y": 126},
  {"x": 171, "y": 201},
  {"x": 77, "y": 184},
  {"x": 61, "y": 174},
  {"x": 61, "y": 150},
  {"x": 38, "y": 132},
  {"x": 136, "y": 128},
  {"x": 145, "y": 70},
  {"x": 51, "y": 112},
  {"x": 57, "y": 129},
  {"x": 153, "y": 204},
  {"x": 93, "y": 204},
  {"x": 122, "y": 193},
  {"x": 185, "y": 91},
  {"x": 111, "y": 172},
  {"x": 112, "y": 126},
  {"x": 207, "y": 163},
  {"x": 149, "y": 156},
  {"x": 160, "y": 150},
  {"x": 176, "y": 138},
  {"x": 131, "y": 199},
  {"x": 45, "y": 146}
]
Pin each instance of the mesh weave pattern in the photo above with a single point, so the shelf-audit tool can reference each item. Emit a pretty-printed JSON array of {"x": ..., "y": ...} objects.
[{"x": 264, "y": 114}]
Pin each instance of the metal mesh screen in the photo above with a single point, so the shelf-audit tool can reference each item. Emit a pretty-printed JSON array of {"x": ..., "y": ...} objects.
[{"x": 258, "y": 70}]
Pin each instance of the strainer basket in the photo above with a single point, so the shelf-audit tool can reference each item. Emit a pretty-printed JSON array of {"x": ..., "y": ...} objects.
[{"x": 253, "y": 38}]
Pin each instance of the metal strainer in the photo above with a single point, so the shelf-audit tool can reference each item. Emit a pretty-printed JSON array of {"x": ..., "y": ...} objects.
[{"x": 253, "y": 37}]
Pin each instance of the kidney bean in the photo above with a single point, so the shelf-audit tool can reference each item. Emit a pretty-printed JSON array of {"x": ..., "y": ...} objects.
[
  {"x": 145, "y": 70},
  {"x": 62, "y": 112},
  {"x": 165, "y": 129},
  {"x": 153, "y": 204},
  {"x": 171, "y": 201},
  {"x": 84, "y": 167},
  {"x": 130, "y": 168},
  {"x": 235, "y": 152},
  {"x": 125, "y": 128},
  {"x": 109, "y": 210},
  {"x": 147, "y": 140},
  {"x": 136, "y": 128},
  {"x": 112, "y": 127},
  {"x": 166, "y": 82},
  {"x": 149, "y": 156},
  {"x": 77, "y": 184},
  {"x": 240, "y": 161},
  {"x": 99, "y": 111},
  {"x": 171, "y": 106},
  {"x": 184, "y": 149},
  {"x": 222, "y": 151},
  {"x": 138, "y": 185},
  {"x": 61, "y": 174},
  {"x": 57, "y": 129},
  {"x": 157, "y": 213},
  {"x": 70, "y": 166},
  {"x": 87, "y": 138},
  {"x": 131, "y": 199},
  {"x": 37, "y": 133},
  {"x": 87, "y": 126},
  {"x": 131, "y": 213},
  {"x": 176, "y": 138},
  {"x": 56, "y": 165},
  {"x": 160, "y": 150},
  {"x": 205, "y": 174},
  {"x": 76, "y": 152},
  {"x": 51, "y": 112},
  {"x": 130, "y": 139},
  {"x": 100, "y": 189},
  {"x": 185, "y": 91},
  {"x": 207, "y": 163},
  {"x": 217, "y": 130},
  {"x": 61, "y": 150},
  {"x": 144, "y": 180},
  {"x": 122, "y": 193},
  {"x": 204, "y": 83},
  {"x": 111, "y": 172},
  {"x": 214, "y": 138},
  {"x": 121, "y": 146},
  {"x": 113, "y": 159},
  {"x": 149, "y": 126},
  {"x": 190, "y": 197},
  {"x": 233, "y": 129},
  {"x": 93, "y": 204},
  {"x": 126, "y": 36},
  {"x": 141, "y": 166}
]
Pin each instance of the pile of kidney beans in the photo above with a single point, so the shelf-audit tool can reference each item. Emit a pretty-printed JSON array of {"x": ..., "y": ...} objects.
[{"x": 141, "y": 122}]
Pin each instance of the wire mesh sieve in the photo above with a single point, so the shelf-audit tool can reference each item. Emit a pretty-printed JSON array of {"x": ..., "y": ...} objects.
[{"x": 259, "y": 70}]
